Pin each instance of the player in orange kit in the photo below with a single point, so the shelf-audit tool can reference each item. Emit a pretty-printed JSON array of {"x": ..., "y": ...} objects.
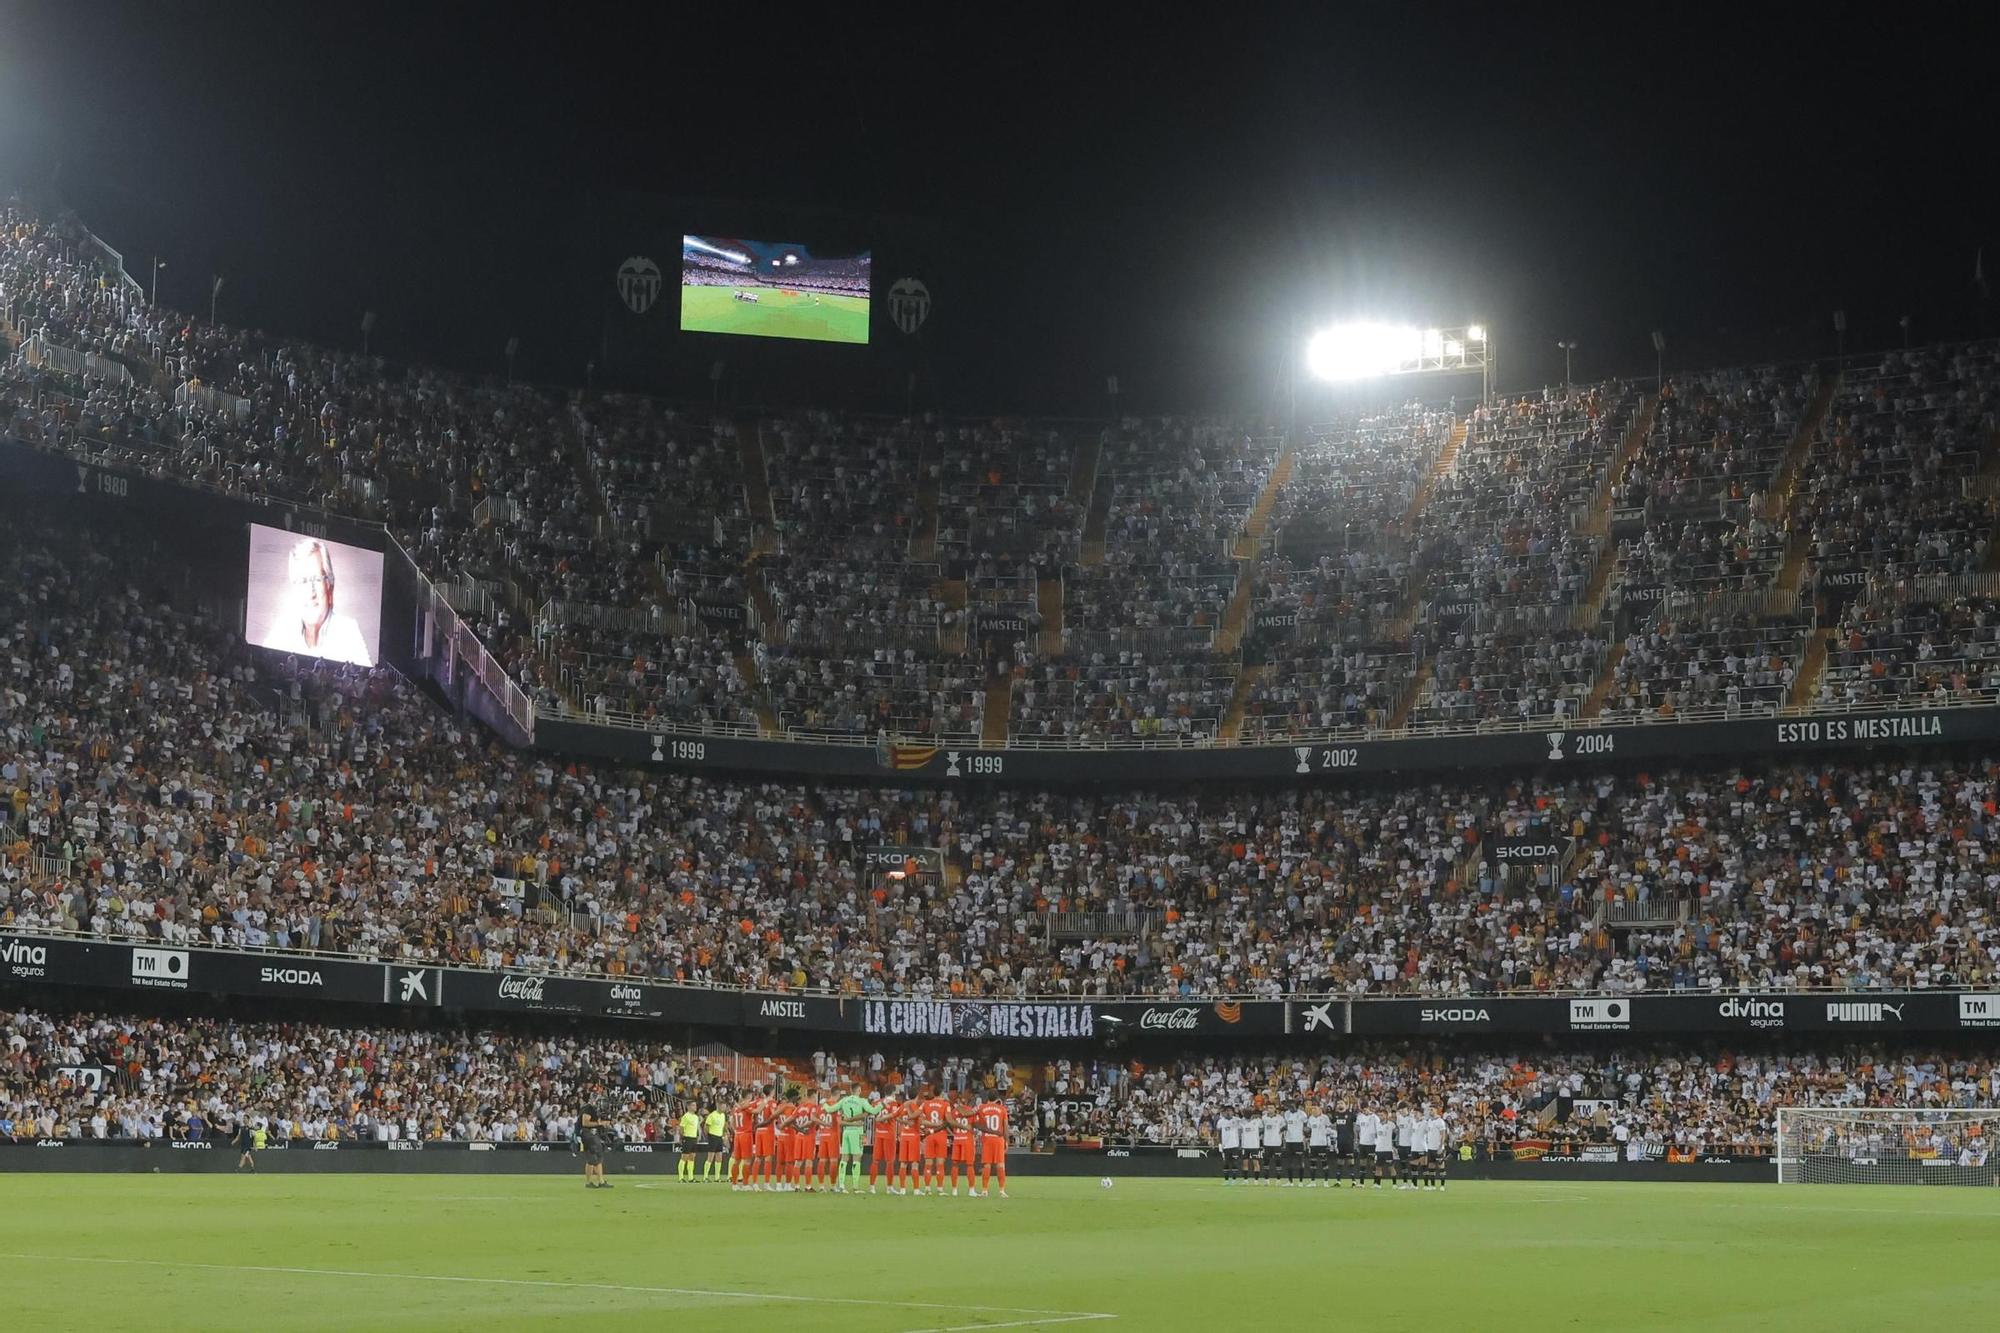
[
  {"x": 934, "y": 1118},
  {"x": 961, "y": 1148},
  {"x": 781, "y": 1146},
  {"x": 742, "y": 1142},
  {"x": 765, "y": 1111},
  {"x": 882, "y": 1152},
  {"x": 805, "y": 1120},
  {"x": 909, "y": 1147},
  {"x": 826, "y": 1143},
  {"x": 989, "y": 1118}
]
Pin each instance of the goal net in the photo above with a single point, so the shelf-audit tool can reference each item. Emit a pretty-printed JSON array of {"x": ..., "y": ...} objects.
[{"x": 1884, "y": 1145}]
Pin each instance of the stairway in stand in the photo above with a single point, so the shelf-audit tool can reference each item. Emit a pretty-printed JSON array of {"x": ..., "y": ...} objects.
[
  {"x": 999, "y": 707},
  {"x": 1440, "y": 468},
  {"x": 1786, "y": 479},
  {"x": 1591, "y": 609},
  {"x": 1096, "y": 517},
  {"x": 1805, "y": 685},
  {"x": 1590, "y": 612},
  {"x": 1607, "y": 679},
  {"x": 767, "y": 606},
  {"x": 924, "y": 532},
  {"x": 1259, "y": 518},
  {"x": 1405, "y": 623},
  {"x": 952, "y": 638},
  {"x": 757, "y": 489},
  {"x": 1239, "y": 702},
  {"x": 1049, "y": 601},
  {"x": 1792, "y": 573},
  {"x": 1407, "y": 705},
  {"x": 767, "y": 716},
  {"x": 1229, "y": 634},
  {"x": 1598, "y": 524},
  {"x": 1236, "y": 615}
]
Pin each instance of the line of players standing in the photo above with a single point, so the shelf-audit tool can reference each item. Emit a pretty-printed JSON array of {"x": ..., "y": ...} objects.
[
  {"x": 916, "y": 1145},
  {"x": 1304, "y": 1145}
]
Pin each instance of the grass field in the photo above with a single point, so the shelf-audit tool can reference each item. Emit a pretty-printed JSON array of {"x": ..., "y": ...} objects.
[
  {"x": 775, "y": 314},
  {"x": 431, "y": 1252}
]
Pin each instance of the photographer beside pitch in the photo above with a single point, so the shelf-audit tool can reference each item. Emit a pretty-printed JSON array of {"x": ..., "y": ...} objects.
[{"x": 590, "y": 1135}]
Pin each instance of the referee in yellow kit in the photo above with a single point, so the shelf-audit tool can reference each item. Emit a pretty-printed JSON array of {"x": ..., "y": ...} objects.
[
  {"x": 690, "y": 1141},
  {"x": 714, "y": 1142}
]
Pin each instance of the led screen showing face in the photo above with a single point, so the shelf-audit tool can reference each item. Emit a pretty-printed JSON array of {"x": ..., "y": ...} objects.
[{"x": 313, "y": 596}]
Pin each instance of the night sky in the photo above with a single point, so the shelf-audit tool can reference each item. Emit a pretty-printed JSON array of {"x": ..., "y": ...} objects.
[{"x": 1172, "y": 204}]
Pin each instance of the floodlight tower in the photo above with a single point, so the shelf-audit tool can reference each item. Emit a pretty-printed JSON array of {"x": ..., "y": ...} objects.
[{"x": 1348, "y": 352}]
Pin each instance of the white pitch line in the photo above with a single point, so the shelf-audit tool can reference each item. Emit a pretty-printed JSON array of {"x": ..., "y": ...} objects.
[
  {"x": 1048, "y": 1316},
  {"x": 1016, "y": 1323}
]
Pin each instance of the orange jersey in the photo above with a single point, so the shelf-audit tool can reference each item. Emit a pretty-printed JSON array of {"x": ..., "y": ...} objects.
[
  {"x": 991, "y": 1118},
  {"x": 744, "y": 1118},
  {"x": 933, "y": 1114}
]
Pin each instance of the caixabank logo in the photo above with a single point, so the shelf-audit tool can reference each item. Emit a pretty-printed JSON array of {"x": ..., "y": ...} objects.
[{"x": 1601, "y": 1015}]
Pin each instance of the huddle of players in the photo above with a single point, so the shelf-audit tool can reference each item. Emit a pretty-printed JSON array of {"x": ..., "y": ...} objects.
[
  {"x": 914, "y": 1146},
  {"x": 1306, "y": 1146}
]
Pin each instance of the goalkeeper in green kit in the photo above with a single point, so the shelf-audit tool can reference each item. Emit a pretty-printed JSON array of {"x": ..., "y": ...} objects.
[{"x": 853, "y": 1113}]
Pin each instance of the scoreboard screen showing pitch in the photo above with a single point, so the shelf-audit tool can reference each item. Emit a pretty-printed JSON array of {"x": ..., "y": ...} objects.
[
  {"x": 771, "y": 289},
  {"x": 314, "y": 597}
]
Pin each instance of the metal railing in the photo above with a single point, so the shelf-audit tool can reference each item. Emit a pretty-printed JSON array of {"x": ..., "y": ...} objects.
[
  {"x": 1663, "y": 911},
  {"x": 1101, "y": 925},
  {"x": 1759, "y": 603},
  {"x": 562, "y": 611},
  {"x": 1933, "y": 588},
  {"x": 38, "y": 351}
]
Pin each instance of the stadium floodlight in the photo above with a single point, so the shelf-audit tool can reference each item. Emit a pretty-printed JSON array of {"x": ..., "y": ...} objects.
[
  {"x": 1362, "y": 351},
  {"x": 1366, "y": 351}
]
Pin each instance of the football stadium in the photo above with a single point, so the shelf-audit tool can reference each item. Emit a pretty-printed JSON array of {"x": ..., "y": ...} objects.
[{"x": 1470, "y": 800}]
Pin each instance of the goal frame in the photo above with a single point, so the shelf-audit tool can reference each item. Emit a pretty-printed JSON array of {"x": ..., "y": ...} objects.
[{"x": 1795, "y": 1165}]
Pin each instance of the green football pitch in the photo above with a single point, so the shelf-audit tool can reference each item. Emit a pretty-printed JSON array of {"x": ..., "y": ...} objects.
[
  {"x": 776, "y": 313},
  {"x": 514, "y": 1252}
]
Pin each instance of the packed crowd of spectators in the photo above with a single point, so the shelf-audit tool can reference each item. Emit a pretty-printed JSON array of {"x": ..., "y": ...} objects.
[
  {"x": 1531, "y": 674},
  {"x": 692, "y": 680},
  {"x": 1500, "y": 530},
  {"x": 1932, "y": 651},
  {"x": 1889, "y": 488},
  {"x": 1121, "y": 694},
  {"x": 175, "y": 1079},
  {"x": 1459, "y": 539},
  {"x": 164, "y": 782},
  {"x": 1004, "y": 490},
  {"x": 1717, "y": 440},
  {"x": 1641, "y": 1102},
  {"x": 1675, "y": 663},
  {"x": 90, "y": 1076}
]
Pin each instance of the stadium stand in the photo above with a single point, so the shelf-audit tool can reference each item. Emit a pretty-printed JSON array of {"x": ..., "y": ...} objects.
[
  {"x": 1594, "y": 552},
  {"x": 293, "y": 805},
  {"x": 180, "y": 1079}
]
